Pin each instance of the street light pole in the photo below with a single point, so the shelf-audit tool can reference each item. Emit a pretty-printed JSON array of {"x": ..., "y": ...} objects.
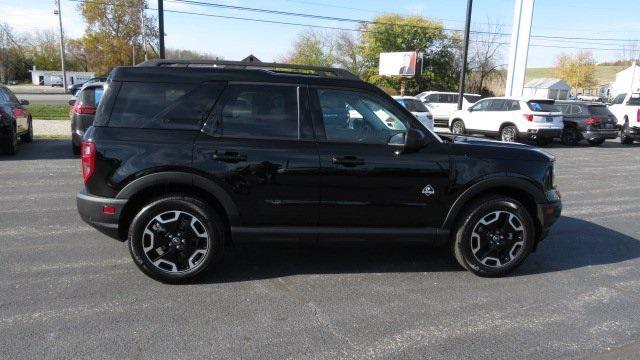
[
  {"x": 161, "y": 26},
  {"x": 463, "y": 71},
  {"x": 64, "y": 72}
]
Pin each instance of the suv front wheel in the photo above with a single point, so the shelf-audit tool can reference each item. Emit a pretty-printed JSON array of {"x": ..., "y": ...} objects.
[
  {"x": 494, "y": 236},
  {"x": 509, "y": 133},
  {"x": 175, "y": 238}
]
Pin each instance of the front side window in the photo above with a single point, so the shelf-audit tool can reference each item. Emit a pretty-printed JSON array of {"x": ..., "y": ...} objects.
[
  {"x": 350, "y": 116},
  {"x": 497, "y": 105},
  {"x": 481, "y": 105},
  {"x": 619, "y": 99},
  {"x": 262, "y": 111}
]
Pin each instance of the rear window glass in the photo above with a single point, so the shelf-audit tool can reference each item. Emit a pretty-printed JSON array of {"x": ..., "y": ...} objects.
[
  {"x": 634, "y": 100},
  {"x": 542, "y": 106},
  {"x": 599, "y": 110},
  {"x": 414, "y": 105},
  {"x": 472, "y": 98},
  {"x": 90, "y": 96},
  {"x": 163, "y": 105}
]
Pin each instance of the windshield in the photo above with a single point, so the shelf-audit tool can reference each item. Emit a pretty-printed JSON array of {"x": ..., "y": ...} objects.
[
  {"x": 414, "y": 105},
  {"x": 472, "y": 98},
  {"x": 543, "y": 106}
]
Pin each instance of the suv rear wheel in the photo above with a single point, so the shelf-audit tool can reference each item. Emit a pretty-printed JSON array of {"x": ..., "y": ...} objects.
[
  {"x": 570, "y": 136},
  {"x": 175, "y": 238},
  {"x": 494, "y": 236},
  {"x": 509, "y": 133},
  {"x": 458, "y": 127},
  {"x": 11, "y": 145}
]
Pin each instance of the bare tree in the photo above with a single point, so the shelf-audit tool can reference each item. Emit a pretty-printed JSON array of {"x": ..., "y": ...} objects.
[
  {"x": 348, "y": 55},
  {"x": 485, "y": 55}
]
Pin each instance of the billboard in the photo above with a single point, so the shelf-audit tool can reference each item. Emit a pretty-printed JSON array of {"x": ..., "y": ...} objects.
[{"x": 399, "y": 64}]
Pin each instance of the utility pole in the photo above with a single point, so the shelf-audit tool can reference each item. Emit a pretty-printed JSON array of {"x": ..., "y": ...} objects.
[
  {"x": 463, "y": 71},
  {"x": 142, "y": 32},
  {"x": 64, "y": 72},
  {"x": 161, "y": 26}
]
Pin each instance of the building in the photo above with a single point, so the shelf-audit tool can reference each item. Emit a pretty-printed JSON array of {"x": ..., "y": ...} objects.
[
  {"x": 547, "y": 88},
  {"x": 54, "y": 77},
  {"x": 627, "y": 80}
]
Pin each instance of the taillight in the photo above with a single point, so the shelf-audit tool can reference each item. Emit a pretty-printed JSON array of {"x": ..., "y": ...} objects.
[
  {"x": 84, "y": 109},
  {"x": 528, "y": 117},
  {"x": 17, "y": 112},
  {"x": 638, "y": 116},
  {"x": 88, "y": 149},
  {"x": 592, "y": 121}
]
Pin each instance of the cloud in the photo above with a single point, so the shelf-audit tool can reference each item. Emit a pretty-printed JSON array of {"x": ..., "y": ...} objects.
[{"x": 41, "y": 19}]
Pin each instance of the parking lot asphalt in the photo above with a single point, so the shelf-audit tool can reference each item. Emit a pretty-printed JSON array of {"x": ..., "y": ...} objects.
[{"x": 67, "y": 291}]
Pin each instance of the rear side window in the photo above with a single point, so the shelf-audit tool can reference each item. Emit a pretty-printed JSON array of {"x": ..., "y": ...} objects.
[
  {"x": 163, "y": 105},
  {"x": 543, "y": 106},
  {"x": 414, "y": 105},
  {"x": 634, "y": 100},
  {"x": 90, "y": 96},
  {"x": 599, "y": 110},
  {"x": 261, "y": 111}
]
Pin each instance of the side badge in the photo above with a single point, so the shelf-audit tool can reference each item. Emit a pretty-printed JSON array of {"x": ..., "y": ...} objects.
[{"x": 428, "y": 190}]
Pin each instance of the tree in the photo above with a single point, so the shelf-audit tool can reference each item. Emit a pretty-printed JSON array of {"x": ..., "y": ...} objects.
[
  {"x": 312, "y": 48},
  {"x": 392, "y": 32},
  {"x": 113, "y": 32},
  {"x": 14, "y": 63},
  {"x": 189, "y": 55},
  {"x": 484, "y": 54},
  {"x": 348, "y": 55},
  {"x": 577, "y": 70}
]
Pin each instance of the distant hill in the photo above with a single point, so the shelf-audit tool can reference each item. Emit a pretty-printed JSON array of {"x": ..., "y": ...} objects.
[{"x": 604, "y": 73}]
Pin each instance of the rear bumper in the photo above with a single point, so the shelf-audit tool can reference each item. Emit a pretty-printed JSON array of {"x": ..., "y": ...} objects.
[
  {"x": 533, "y": 134},
  {"x": 600, "y": 134},
  {"x": 91, "y": 210}
]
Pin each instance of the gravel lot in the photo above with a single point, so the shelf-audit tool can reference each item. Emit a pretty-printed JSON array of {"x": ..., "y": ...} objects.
[{"x": 66, "y": 291}]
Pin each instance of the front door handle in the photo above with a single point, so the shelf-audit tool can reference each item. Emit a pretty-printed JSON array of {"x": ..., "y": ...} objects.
[
  {"x": 230, "y": 157},
  {"x": 349, "y": 161}
]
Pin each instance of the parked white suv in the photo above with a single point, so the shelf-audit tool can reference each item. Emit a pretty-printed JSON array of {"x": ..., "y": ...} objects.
[
  {"x": 418, "y": 109},
  {"x": 443, "y": 104},
  {"x": 510, "y": 120},
  {"x": 626, "y": 108}
]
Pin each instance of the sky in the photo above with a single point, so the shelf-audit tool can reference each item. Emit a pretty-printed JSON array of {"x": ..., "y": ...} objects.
[{"x": 613, "y": 23}]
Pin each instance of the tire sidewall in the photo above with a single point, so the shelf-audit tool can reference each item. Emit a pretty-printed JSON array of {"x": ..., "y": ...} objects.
[
  {"x": 462, "y": 127},
  {"x": 463, "y": 235},
  {"x": 515, "y": 133},
  {"x": 565, "y": 139},
  {"x": 207, "y": 216}
]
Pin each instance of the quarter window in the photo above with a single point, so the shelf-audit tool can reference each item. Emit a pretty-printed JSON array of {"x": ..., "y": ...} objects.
[
  {"x": 355, "y": 117},
  {"x": 619, "y": 99},
  {"x": 263, "y": 111}
]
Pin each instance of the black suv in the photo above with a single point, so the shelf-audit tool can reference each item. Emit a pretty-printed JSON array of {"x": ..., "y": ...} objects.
[{"x": 185, "y": 158}]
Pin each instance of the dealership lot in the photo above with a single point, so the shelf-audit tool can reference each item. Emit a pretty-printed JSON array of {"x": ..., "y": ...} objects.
[{"x": 67, "y": 291}]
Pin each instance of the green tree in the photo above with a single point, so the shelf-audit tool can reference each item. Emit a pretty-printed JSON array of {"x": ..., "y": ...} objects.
[
  {"x": 579, "y": 70},
  {"x": 393, "y": 32},
  {"x": 312, "y": 48}
]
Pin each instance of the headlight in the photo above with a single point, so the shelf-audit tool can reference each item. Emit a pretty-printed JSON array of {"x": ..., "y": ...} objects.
[{"x": 553, "y": 175}]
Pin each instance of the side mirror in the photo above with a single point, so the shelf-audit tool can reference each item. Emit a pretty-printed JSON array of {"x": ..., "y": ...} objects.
[
  {"x": 470, "y": 109},
  {"x": 72, "y": 102},
  {"x": 24, "y": 102},
  {"x": 407, "y": 142}
]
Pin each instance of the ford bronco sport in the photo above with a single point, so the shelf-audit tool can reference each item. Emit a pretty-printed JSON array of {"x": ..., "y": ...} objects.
[{"x": 185, "y": 158}]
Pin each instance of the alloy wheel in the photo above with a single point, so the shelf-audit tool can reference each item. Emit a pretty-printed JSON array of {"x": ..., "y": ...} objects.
[
  {"x": 508, "y": 134},
  {"x": 176, "y": 242},
  {"x": 497, "y": 239},
  {"x": 458, "y": 128}
]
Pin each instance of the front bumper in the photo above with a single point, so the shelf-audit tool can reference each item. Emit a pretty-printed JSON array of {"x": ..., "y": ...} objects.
[
  {"x": 533, "y": 134},
  {"x": 549, "y": 212},
  {"x": 600, "y": 134},
  {"x": 92, "y": 211}
]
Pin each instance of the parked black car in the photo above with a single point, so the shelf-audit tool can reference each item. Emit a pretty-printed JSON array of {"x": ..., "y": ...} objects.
[
  {"x": 15, "y": 121},
  {"x": 73, "y": 89},
  {"x": 185, "y": 158},
  {"x": 83, "y": 110},
  {"x": 589, "y": 121}
]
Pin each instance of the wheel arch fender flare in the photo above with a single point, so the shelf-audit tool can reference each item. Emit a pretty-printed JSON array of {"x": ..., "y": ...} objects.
[
  {"x": 183, "y": 178},
  {"x": 508, "y": 123},
  {"x": 485, "y": 186}
]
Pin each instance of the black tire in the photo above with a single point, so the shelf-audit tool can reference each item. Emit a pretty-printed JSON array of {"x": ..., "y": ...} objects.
[
  {"x": 183, "y": 208},
  {"x": 517, "y": 245},
  {"x": 597, "y": 142},
  {"x": 570, "y": 136},
  {"x": 509, "y": 133},
  {"x": 624, "y": 138},
  {"x": 11, "y": 145},
  {"x": 457, "y": 127},
  {"x": 28, "y": 137}
]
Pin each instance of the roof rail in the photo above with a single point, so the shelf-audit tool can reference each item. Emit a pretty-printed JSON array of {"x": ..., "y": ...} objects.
[{"x": 273, "y": 67}]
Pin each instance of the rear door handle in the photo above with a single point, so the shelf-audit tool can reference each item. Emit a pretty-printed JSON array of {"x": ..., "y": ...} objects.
[
  {"x": 349, "y": 161},
  {"x": 230, "y": 157}
]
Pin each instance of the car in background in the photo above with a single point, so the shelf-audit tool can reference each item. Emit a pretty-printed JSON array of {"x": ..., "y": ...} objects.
[
  {"x": 73, "y": 89},
  {"x": 83, "y": 111},
  {"x": 418, "y": 109},
  {"x": 626, "y": 108},
  {"x": 510, "y": 120},
  {"x": 587, "y": 120},
  {"x": 443, "y": 104},
  {"x": 56, "y": 81},
  {"x": 15, "y": 121}
]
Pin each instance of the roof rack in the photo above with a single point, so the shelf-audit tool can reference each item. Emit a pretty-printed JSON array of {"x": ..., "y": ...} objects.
[{"x": 273, "y": 67}]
